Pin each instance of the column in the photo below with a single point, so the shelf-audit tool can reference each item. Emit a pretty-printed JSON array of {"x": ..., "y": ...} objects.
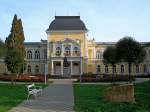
[
  {"x": 71, "y": 67},
  {"x": 52, "y": 68},
  {"x": 54, "y": 49},
  {"x": 48, "y": 49},
  {"x": 62, "y": 67},
  {"x": 62, "y": 50},
  {"x": 71, "y": 50},
  {"x": 33, "y": 52},
  {"x": 81, "y": 66}
]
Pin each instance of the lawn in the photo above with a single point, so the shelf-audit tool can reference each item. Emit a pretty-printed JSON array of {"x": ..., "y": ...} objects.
[
  {"x": 12, "y": 95},
  {"x": 89, "y": 98}
]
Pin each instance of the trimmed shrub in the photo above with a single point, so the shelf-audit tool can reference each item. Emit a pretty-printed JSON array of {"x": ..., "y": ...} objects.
[
  {"x": 24, "y": 78},
  {"x": 106, "y": 78}
]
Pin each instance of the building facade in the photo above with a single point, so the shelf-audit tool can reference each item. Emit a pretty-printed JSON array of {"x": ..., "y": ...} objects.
[{"x": 68, "y": 51}]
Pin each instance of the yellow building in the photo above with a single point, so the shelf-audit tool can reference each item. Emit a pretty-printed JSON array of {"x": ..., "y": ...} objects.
[{"x": 68, "y": 51}]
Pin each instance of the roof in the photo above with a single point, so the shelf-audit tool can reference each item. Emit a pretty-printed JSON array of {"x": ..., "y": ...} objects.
[
  {"x": 32, "y": 43},
  {"x": 106, "y": 43},
  {"x": 67, "y": 23},
  {"x": 113, "y": 43}
]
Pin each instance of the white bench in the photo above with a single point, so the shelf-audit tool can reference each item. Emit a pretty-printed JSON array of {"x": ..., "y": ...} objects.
[{"x": 34, "y": 90}]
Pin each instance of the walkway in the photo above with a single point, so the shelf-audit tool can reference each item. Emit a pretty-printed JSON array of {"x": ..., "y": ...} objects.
[{"x": 57, "y": 97}]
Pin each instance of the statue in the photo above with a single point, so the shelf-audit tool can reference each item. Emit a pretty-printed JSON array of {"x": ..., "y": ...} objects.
[{"x": 65, "y": 62}]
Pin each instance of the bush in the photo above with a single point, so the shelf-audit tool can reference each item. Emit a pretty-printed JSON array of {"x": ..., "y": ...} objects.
[
  {"x": 106, "y": 78},
  {"x": 89, "y": 74},
  {"x": 143, "y": 76},
  {"x": 24, "y": 78},
  {"x": 57, "y": 77}
]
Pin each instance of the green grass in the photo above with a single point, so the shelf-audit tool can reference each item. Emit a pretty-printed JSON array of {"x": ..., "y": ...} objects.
[
  {"x": 12, "y": 95},
  {"x": 89, "y": 98}
]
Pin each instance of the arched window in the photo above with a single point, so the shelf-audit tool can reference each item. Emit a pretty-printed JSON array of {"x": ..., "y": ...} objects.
[
  {"x": 98, "y": 69},
  {"x": 145, "y": 68},
  {"x": 29, "y": 69},
  {"x": 29, "y": 54},
  {"x": 99, "y": 55},
  {"x": 106, "y": 69},
  {"x": 76, "y": 50},
  {"x": 45, "y": 54},
  {"x": 137, "y": 69},
  {"x": 58, "y": 51},
  {"x": 36, "y": 69},
  {"x": 37, "y": 54},
  {"x": 67, "y": 51},
  {"x": 122, "y": 68}
]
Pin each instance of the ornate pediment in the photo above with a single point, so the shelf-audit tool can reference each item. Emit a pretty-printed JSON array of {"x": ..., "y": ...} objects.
[{"x": 68, "y": 40}]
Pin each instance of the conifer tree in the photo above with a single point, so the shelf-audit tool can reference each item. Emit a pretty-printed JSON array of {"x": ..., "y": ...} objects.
[{"x": 15, "y": 47}]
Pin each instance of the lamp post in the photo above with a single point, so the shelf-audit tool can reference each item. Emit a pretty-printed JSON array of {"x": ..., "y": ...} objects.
[{"x": 46, "y": 72}]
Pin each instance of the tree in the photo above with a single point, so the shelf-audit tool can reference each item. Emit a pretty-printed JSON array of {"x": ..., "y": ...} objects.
[
  {"x": 130, "y": 51},
  {"x": 2, "y": 48},
  {"x": 109, "y": 56},
  {"x": 13, "y": 61},
  {"x": 15, "y": 47}
]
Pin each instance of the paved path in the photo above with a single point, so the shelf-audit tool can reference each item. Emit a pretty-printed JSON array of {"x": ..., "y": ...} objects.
[{"x": 57, "y": 97}]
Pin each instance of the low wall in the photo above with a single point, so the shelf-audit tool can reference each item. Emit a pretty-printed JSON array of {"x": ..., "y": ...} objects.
[{"x": 120, "y": 93}]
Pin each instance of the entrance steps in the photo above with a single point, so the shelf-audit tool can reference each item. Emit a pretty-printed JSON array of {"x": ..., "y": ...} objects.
[{"x": 62, "y": 81}]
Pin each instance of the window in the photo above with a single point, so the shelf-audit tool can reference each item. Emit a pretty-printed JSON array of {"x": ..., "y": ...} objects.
[
  {"x": 45, "y": 54},
  {"x": 75, "y": 64},
  {"x": 29, "y": 54},
  {"x": 99, "y": 55},
  {"x": 67, "y": 51},
  {"x": 122, "y": 68},
  {"x": 76, "y": 50},
  {"x": 36, "y": 69},
  {"x": 29, "y": 69},
  {"x": 106, "y": 69},
  {"x": 58, "y": 64},
  {"x": 37, "y": 54},
  {"x": 58, "y": 51},
  {"x": 137, "y": 69},
  {"x": 145, "y": 69},
  {"x": 98, "y": 69}
]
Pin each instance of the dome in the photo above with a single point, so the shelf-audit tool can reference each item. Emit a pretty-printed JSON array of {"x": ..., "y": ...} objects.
[{"x": 67, "y": 23}]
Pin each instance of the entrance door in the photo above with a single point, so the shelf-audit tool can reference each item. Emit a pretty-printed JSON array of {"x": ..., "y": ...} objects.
[
  {"x": 76, "y": 69},
  {"x": 66, "y": 71},
  {"x": 57, "y": 69}
]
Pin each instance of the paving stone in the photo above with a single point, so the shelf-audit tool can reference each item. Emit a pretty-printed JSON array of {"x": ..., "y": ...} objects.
[{"x": 57, "y": 97}]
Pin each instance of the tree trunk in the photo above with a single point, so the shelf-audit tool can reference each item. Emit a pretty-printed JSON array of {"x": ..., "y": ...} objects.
[
  {"x": 13, "y": 78},
  {"x": 129, "y": 65}
]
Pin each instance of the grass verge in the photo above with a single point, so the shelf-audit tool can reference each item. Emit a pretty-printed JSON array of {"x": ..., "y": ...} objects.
[
  {"x": 12, "y": 95},
  {"x": 89, "y": 98}
]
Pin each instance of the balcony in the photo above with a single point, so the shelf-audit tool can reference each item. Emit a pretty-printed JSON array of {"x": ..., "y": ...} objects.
[{"x": 68, "y": 54}]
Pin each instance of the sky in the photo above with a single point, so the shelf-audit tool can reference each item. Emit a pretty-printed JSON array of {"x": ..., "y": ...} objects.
[{"x": 106, "y": 20}]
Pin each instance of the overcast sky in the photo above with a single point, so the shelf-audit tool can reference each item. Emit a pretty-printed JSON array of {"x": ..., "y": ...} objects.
[{"x": 107, "y": 20}]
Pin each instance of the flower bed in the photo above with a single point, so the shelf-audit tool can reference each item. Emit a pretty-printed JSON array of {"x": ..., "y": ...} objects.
[
  {"x": 24, "y": 78},
  {"x": 106, "y": 78},
  {"x": 143, "y": 76}
]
